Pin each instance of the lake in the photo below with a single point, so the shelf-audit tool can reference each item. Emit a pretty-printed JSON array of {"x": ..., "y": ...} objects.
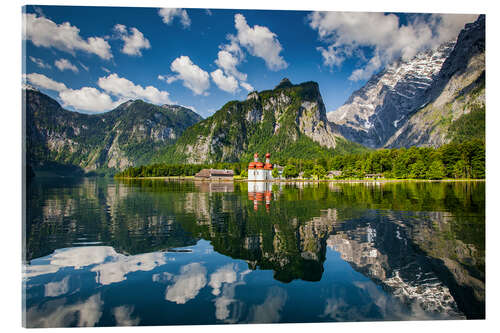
[{"x": 101, "y": 252}]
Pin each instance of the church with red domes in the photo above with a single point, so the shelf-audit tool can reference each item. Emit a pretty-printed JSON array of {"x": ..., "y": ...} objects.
[{"x": 258, "y": 170}]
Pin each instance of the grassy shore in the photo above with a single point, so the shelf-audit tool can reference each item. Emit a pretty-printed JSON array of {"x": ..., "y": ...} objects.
[{"x": 349, "y": 180}]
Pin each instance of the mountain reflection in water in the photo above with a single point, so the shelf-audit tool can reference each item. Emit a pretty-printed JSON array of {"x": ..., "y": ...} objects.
[{"x": 101, "y": 253}]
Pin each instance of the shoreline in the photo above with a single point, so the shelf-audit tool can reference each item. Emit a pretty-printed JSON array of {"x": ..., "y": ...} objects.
[{"x": 192, "y": 178}]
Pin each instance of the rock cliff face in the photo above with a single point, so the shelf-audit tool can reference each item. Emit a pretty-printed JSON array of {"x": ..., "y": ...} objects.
[
  {"x": 414, "y": 102},
  {"x": 128, "y": 135},
  {"x": 290, "y": 119},
  {"x": 377, "y": 110},
  {"x": 458, "y": 90}
]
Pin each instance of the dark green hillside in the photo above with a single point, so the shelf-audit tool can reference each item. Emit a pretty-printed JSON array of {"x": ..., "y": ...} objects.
[{"x": 129, "y": 135}]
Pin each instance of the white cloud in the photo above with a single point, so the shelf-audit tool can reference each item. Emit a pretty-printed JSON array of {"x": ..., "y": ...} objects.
[
  {"x": 93, "y": 100},
  {"x": 58, "y": 288},
  {"x": 42, "y": 81},
  {"x": 40, "y": 63},
  {"x": 228, "y": 62},
  {"x": 116, "y": 269},
  {"x": 269, "y": 311},
  {"x": 260, "y": 42},
  {"x": 126, "y": 89},
  {"x": 65, "y": 37},
  {"x": 133, "y": 41},
  {"x": 168, "y": 79},
  {"x": 188, "y": 284},
  {"x": 168, "y": 15},
  {"x": 225, "y": 274},
  {"x": 247, "y": 86},
  {"x": 226, "y": 83},
  {"x": 228, "y": 76},
  {"x": 345, "y": 33},
  {"x": 110, "y": 266},
  {"x": 88, "y": 99},
  {"x": 226, "y": 301},
  {"x": 192, "y": 76},
  {"x": 63, "y": 64},
  {"x": 56, "y": 314},
  {"x": 123, "y": 316}
]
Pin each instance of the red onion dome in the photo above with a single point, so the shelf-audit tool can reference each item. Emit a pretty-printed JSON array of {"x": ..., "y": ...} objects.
[
  {"x": 268, "y": 166},
  {"x": 251, "y": 165},
  {"x": 268, "y": 155},
  {"x": 259, "y": 165}
]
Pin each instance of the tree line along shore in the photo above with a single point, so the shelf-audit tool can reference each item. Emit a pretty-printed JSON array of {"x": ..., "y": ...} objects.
[{"x": 464, "y": 160}]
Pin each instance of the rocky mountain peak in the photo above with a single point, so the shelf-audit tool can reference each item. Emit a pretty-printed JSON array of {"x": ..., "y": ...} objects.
[
  {"x": 253, "y": 96},
  {"x": 278, "y": 120},
  {"x": 376, "y": 111},
  {"x": 380, "y": 110},
  {"x": 284, "y": 83}
]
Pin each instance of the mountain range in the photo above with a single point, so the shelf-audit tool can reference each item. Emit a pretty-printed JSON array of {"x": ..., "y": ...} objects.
[
  {"x": 129, "y": 135},
  {"x": 415, "y": 102},
  {"x": 434, "y": 98}
]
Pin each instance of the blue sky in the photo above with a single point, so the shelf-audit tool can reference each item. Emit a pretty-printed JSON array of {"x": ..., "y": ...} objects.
[{"x": 91, "y": 59}]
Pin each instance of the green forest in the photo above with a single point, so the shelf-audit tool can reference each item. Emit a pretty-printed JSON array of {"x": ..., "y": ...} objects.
[{"x": 465, "y": 160}]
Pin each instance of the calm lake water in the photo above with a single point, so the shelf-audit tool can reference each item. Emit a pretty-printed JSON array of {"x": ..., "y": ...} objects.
[{"x": 100, "y": 252}]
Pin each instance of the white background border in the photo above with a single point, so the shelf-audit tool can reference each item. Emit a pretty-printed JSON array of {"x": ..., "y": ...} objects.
[{"x": 10, "y": 131}]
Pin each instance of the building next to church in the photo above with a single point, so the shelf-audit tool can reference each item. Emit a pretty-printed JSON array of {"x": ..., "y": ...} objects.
[
  {"x": 260, "y": 171},
  {"x": 214, "y": 174}
]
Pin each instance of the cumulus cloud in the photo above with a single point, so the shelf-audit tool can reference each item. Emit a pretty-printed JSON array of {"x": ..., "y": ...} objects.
[
  {"x": 126, "y": 89},
  {"x": 40, "y": 63},
  {"x": 133, "y": 41},
  {"x": 169, "y": 14},
  {"x": 123, "y": 316},
  {"x": 41, "y": 31},
  {"x": 116, "y": 269},
  {"x": 58, "y": 288},
  {"x": 94, "y": 100},
  {"x": 43, "y": 81},
  {"x": 228, "y": 62},
  {"x": 230, "y": 56},
  {"x": 260, "y": 42},
  {"x": 192, "y": 76},
  {"x": 248, "y": 87},
  {"x": 55, "y": 314},
  {"x": 270, "y": 310},
  {"x": 345, "y": 33},
  {"x": 227, "y": 83},
  {"x": 225, "y": 274},
  {"x": 88, "y": 99},
  {"x": 188, "y": 284},
  {"x": 63, "y": 64}
]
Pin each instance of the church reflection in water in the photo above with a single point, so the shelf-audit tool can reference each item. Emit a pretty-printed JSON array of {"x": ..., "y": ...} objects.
[{"x": 260, "y": 192}]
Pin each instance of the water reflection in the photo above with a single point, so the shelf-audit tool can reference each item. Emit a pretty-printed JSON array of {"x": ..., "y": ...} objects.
[{"x": 373, "y": 252}]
